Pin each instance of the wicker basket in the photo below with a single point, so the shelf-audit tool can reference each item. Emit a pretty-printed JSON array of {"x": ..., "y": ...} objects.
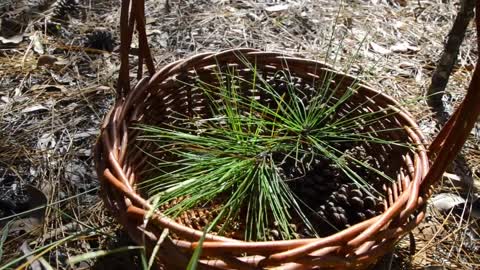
[{"x": 152, "y": 99}]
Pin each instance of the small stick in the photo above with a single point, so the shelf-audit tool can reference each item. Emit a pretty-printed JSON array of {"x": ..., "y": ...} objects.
[{"x": 167, "y": 6}]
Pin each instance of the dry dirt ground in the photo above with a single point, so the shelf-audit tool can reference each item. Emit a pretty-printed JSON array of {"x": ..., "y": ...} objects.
[{"x": 54, "y": 92}]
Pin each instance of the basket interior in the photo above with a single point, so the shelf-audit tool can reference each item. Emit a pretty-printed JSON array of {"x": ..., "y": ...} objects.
[{"x": 161, "y": 105}]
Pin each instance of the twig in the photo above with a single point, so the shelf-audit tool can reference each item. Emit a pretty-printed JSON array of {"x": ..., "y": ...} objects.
[
  {"x": 167, "y": 6},
  {"x": 448, "y": 58}
]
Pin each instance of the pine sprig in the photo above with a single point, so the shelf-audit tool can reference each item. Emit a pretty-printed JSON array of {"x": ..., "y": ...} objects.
[{"x": 238, "y": 153}]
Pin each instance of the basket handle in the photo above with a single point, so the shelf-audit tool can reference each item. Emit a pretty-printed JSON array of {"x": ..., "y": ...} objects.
[
  {"x": 132, "y": 15},
  {"x": 454, "y": 134}
]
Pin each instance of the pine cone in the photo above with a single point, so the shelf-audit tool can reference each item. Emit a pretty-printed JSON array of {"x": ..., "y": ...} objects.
[
  {"x": 63, "y": 9},
  {"x": 100, "y": 39},
  {"x": 342, "y": 208},
  {"x": 358, "y": 204},
  {"x": 314, "y": 187},
  {"x": 10, "y": 27},
  {"x": 197, "y": 218},
  {"x": 6, "y": 5}
]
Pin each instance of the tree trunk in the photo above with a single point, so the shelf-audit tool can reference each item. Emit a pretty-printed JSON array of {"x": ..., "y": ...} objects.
[{"x": 448, "y": 58}]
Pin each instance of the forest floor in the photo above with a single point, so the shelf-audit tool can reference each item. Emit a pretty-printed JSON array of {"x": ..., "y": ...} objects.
[{"x": 57, "y": 82}]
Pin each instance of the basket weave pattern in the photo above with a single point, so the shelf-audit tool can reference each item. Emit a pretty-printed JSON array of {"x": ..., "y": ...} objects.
[{"x": 152, "y": 101}]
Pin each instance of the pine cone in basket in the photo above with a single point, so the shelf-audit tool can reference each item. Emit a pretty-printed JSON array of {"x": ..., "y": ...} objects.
[
  {"x": 332, "y": 199},
  {"x": 360, "y": 153},
  {"x": 282, "y": 83},
  {"x": 342, "y": 208},
  {"x": 193, "y": 218},
  {"x": 313, "y": 189},
  {"x": 200, "y": 217}
]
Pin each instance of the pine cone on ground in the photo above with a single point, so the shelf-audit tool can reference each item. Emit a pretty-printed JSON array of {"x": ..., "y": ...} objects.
[
  {"x": 63, "y": 9},
  {"x": 100, "y": 39}
]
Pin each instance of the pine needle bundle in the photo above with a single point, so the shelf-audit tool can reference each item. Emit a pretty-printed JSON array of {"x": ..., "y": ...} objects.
[{"x": 240, "y": 154}]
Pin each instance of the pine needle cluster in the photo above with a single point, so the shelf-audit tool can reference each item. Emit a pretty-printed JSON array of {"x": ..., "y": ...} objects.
[{"x": 240, "y": 151}]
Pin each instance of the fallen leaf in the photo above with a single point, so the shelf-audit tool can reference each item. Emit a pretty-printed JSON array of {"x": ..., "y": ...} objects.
[
  {"x": 419, "y": 76},
  {"x": 153, "y": 32},
  {"x": 46, "y": 60},
  {"x": 399, "y": 25},
  {"x": 12, "y": 40},
  {"x": 446, "y": 201},
  {"x": 35, "y": 108},
  {"x": 433, "y": 267},
  {"x": 476, "y": 131},
  {"x": 5, "y": 99},
  {"x": 65, "y": 79},
  {"x": 26, "y": 250},
  {"x": 46, "y": 142},
  {"x": 150, "y": 20},
  {"x": 404, "y": 47},
  {"x": 49, "y": 88},
  {"x": 379, "y": 49},
  {"x": 84, "y": 152},
  {"x": 103, "y": 88},
  {"x": 30, "y": 207},
  {"x": 37, "y": 43},
  {"x": 3, "y": 237},
  {"x": 61, "y": 62},
  {"x": 402, "y": 3},
  {"x": 276, "y": 8},
  {"x": 452, "y": 176},
  {"x": 475, "y": 212},
  {"x": 85, "y": 134},
  {"x": 252, "y": 16}
]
